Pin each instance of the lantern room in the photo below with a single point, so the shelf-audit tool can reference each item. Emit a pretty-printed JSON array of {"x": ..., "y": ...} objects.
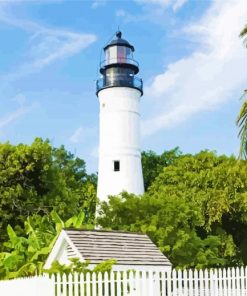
[{"x": 118, "y": 67}]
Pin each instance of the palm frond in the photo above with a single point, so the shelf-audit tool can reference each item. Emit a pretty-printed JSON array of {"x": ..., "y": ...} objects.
[
  {"x": 243, "y": 34},
  {"x": 242, "y": 124}
]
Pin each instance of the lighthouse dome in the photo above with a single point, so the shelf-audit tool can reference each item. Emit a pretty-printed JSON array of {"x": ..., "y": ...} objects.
[{"x": 119, "y": 41}]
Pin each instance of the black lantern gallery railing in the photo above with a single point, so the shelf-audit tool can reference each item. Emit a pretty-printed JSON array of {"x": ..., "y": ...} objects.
[{"x": 119, "y": 80}]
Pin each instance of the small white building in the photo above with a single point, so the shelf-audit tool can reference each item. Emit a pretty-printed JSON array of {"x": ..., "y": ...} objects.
[{"x": 131, "y": 250}]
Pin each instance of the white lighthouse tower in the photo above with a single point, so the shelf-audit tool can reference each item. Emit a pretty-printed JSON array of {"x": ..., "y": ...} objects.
[{"x": 119, "y": 92}]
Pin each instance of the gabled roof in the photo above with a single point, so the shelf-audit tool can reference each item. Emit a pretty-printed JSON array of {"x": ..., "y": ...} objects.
[{"x": 127, "y": 248}]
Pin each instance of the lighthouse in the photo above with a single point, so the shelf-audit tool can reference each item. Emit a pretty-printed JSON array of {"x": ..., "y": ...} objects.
[{"x": 119, "y": 92}]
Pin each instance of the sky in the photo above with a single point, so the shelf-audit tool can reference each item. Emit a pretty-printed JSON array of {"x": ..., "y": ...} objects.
[{"x": 191, "y": 58}]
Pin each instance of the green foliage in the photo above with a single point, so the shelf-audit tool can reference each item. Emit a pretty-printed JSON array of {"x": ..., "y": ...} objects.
[
  {"x": 80, "y": 267},
  {"x": 37, "y": 178},
  {"x": 74, "y": 266},
  {"x": 242, "y": 124},
  {"x": 242, "y": 116},
  {"x": 195, "y": 211},
  {"x": 243, "y": 34},
  {"x": 25, "y": 255},
  {"x": 105, "y": 266},
  {"x": 153, "y": 163}
]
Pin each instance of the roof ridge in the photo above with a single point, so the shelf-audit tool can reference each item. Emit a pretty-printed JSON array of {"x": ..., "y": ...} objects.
[{"x": 103, "y": 230}]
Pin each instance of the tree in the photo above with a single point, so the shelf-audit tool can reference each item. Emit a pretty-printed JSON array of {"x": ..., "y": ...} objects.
[
  {"x": 195, "y": 211},
  {"x": 37, "y": 178},
  {"x": 242, "y": 116},
  {"x": 153, "y": 164}
]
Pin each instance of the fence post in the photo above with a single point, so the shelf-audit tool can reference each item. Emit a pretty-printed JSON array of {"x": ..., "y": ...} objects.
[
  {"x": 119, "y": 286},
  {"x": 191, "y": 286},
  {"x": 76, "y": 284},
  {"x": 156, "y": 281},
  {"x": 245, "y": 278},
  {"x": 242, "y": 285},
  {"x": 216, "y": 282},
  {"x": 195, "y": 281},
  {"x": 94, "y": 284},
  {"x": 201, "y": 282},
  {"x": 144, "y": 284},
  {"x": 225, "y": 288},
  {"x": 112, "y": 283},
  {"x": 58, "y": 284},
  {"x": 185, "y": 277},
  {"x": 106, "y": 283},
  {"x": 137, "y": 283},
  {"x": 180, "y": 283},
  {"x": 233, "y": 282},
  {"x": 174, "y": 282},
  {"x": 229, "y": 281},
  {"x": 82, "y": 283},
  {"x": 70, "y": 285},
  {"x": 237, "y": 282},
  {"x": 100, "y": 284},
  {"x": 88, "y": 283},
  {"x": 64, "y": 285},
  {"x": 131, "y": 283},
  {"x": 220, "y": 280},
  {"x": 125, "y": 288},
  {"x": 211, "y": 282},
  {"x": 169, "y": 287}
]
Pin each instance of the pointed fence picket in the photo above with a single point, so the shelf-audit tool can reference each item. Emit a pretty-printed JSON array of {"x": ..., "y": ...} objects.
[{"x": 213, "y": 282}]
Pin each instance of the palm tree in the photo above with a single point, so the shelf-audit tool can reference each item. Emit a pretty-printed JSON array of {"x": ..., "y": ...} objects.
[
  {"x": 242, "y": 116},
  {"x": 242, "y": 123},
  {"x": 243, "y": 34}
]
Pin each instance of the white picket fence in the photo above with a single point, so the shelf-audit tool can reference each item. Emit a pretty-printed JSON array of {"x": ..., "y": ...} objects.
[{"x": 213, "y": 282}]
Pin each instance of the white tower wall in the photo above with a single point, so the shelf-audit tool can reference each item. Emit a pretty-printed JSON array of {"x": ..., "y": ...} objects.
[{"x": 119, "y": 141}]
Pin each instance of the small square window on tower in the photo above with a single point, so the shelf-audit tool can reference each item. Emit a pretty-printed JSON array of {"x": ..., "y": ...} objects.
[{"x": 116, "y": 165}]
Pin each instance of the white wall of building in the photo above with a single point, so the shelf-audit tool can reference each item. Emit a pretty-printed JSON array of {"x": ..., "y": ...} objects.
[{"x": 119, "y": 141}]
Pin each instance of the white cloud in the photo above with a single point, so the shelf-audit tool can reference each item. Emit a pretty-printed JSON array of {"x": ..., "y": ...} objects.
[
  {"x": 212, "y": 75},
  {"x": 10, "y": 118},
  {"x": 175, "y": 4},
  {"x": 46, "y": 44},
  {"x": 76, "y": 137},
  {"x": 178, "y": 4},
  {"x": 19, "y": 112},
  {"x": 153, "y": 11},
  {"x": 50, "y": 45},
  {"x": 120, "y": 13},
  {"x": 95, "y": 152},
  {"x": 82, "y": 133},
  {"x": 97, "y": 3},
  {"x": 20, "y": 99}
]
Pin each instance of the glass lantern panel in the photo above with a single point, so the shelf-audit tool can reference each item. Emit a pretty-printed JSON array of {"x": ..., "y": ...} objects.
[
  {"x": 121, "y": 54},
  {"x": 129, "y": 53},
  {"x": 111, "y": 55}
]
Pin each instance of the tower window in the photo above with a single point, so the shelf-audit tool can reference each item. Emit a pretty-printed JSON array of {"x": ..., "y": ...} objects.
[{"x": 116, "y": 165}]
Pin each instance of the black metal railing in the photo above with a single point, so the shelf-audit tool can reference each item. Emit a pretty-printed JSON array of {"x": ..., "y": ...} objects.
[{"x": 119, "y": 81}]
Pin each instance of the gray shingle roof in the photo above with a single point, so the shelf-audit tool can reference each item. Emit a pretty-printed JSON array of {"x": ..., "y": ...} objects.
[{"x": 126, "y": 247}]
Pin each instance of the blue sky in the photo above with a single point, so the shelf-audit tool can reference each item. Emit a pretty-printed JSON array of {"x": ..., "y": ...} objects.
[{"x": 192, "y": 62}]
